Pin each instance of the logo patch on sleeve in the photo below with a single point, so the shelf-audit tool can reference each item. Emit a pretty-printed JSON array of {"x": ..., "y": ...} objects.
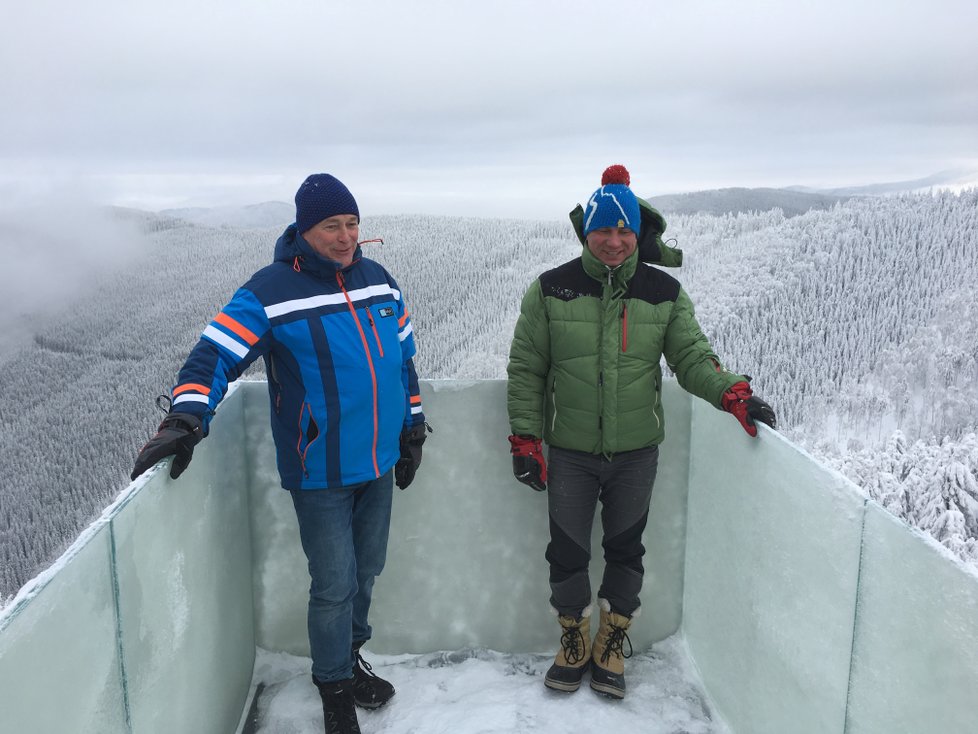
[{"x": 385, "y": 312}]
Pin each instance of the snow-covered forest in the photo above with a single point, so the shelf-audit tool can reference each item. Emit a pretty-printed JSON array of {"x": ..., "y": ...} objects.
[{"x": 858, "y": 324}]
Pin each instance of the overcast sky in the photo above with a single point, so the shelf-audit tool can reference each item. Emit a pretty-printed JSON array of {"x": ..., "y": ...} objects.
[{"x": 495, "y": 108}]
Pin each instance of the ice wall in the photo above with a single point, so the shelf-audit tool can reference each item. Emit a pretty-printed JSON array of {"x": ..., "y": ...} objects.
[
  {"x": 466, "y": 560},
  {"x": 805, "y": 607},
  {"x": 809, "y": 609},
  {"x": 145, "y": 624}
]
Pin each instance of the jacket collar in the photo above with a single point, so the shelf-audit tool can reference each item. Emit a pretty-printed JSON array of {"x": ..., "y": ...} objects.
[
  {"x": 617, "y": 276},
  {"x": 292, "y": 248}
]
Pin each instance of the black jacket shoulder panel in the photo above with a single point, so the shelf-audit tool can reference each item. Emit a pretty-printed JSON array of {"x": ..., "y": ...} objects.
[
  {"x": 652, "y": 285},
  {"x": 569, "y": 281}
]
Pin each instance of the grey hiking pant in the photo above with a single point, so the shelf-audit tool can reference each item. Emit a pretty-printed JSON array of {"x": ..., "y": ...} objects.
[{"x": 576, "y": 481}]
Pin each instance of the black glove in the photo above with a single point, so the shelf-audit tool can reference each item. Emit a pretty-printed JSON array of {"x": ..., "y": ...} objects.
[
  {"x": 177, "y": 435},
  {"x": 529, "y": 466},
  {"x": 411, "y": 441}
]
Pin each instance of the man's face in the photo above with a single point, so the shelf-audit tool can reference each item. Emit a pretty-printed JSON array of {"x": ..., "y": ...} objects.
[
  {"x": 612, "y": 245},
  {"x": 335, "y": 238}
]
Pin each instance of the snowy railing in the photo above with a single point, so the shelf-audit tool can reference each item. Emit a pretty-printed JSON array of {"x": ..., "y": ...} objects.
[{"x": 805, "y": 607}]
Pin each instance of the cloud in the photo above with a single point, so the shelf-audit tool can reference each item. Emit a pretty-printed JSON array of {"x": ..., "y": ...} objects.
[
  {"x": 55, "y": 246},
  {"x": 740, "y": 94}
]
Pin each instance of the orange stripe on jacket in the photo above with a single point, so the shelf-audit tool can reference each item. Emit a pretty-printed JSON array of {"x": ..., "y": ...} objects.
[
  {"x": 190, "y": 386},
  {"x": 403, "y": 320},
  {"x": 245, "y": 333},
  {"x": 415, "y": 400}
]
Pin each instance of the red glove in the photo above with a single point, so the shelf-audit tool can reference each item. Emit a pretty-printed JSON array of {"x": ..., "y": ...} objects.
[
  {"x": 529, "y": 466},
  {"x": 740, "y": 401}
]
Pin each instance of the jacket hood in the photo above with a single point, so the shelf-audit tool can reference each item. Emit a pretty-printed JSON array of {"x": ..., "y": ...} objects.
[
  {"x": 651, "y": 249},
  {"x": 291, "y": 245}
]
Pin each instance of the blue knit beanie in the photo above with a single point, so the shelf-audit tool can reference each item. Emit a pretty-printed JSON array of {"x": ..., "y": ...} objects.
[
  {"x": 320, "y": 197},
  {"x": 614, "y": 204}
]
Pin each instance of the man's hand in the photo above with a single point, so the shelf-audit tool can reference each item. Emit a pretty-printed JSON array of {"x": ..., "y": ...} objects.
[
  {"x": 176, "y": 436},
  {"x": 411, "y": 441},
  {"x": 529, "y": 466},
  {"x": 740, "y": 401}
]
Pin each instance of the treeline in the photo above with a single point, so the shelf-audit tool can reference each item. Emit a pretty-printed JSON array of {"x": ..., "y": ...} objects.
[
  {"x": 855, "y": 322},
  {"x": 933, "y": 486}
]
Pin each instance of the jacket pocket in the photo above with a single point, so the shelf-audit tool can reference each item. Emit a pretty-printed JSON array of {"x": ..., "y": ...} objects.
[
  {"x": 373, "y": 328},
  {"x": 275, "y": 383},
  {"x": 308, "y": 434},
  {"x": 553, "y": 402}
]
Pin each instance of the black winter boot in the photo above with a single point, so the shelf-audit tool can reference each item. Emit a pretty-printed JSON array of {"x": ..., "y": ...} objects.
[
  {"x": 339, "y": 711},
  {"x": 370, "y": 691}
]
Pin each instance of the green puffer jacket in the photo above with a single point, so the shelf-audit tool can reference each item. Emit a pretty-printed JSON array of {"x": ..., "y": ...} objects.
[{"x": 584, "y": 366}]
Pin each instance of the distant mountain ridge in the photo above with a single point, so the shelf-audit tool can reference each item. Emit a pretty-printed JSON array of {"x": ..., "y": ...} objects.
[
  {"x": 733, "y": 200},
  {"x": 253, "y": 216},
  {"x": 791, "y": 200},
  {"x": 955, "y": 180},
  {"x": 795, "y": 200}
]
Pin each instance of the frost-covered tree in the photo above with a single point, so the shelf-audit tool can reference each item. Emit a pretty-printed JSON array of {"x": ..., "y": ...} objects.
[{"x": 857, "y": 322}]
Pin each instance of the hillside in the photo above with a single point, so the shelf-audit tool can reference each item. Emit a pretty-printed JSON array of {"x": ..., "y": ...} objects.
[
  {"x": 268, "y": 214},
  {"x": 954, "y": 180},
  {"x": 857, "y": 323},
  {"x": 734, "y": 200}
]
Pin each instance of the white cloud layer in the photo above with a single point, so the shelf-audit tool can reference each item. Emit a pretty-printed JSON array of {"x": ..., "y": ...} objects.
[{"x": 495, "y": 109}]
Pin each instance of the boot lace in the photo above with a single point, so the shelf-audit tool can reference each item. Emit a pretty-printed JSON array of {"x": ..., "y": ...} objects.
[
  {"x": 572, "y": 642},
  {"x": 364, "y": 667},
  {"x": 616, "y": 644}
]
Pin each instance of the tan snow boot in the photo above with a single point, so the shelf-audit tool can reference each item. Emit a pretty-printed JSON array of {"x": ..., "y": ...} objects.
[
  {"x": 608, "y": 654},
  {"x": 574, "y": 653}
]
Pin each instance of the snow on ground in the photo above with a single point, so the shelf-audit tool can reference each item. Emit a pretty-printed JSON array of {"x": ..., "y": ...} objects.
[{"x": 478, "y": 691}]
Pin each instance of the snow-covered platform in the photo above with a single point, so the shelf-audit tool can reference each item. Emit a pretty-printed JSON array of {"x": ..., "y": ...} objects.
[
  {"x": 478, "y": 690},
  {"x": 777, "y": 597}
]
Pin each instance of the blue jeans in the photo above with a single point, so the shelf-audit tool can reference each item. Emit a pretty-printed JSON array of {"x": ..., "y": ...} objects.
[{"x": 344, "y": 535}]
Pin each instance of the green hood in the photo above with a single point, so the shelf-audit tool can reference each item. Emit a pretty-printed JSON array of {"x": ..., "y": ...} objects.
[{"x": 651, "y": 248}]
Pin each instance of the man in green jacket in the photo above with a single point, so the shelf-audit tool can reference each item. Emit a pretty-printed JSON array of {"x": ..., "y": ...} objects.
[{"x": 584, "y": 377}]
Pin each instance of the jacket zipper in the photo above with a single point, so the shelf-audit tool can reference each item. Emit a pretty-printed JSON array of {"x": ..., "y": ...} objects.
[
  {"x": 298, "y": 447},
  {"x": 601, "y": 401},
  {"x": 273, "y": 374},
  {"x": 658, "y": 401},
  {"x": 624, "y": 327},
  {"x": 553, "y": 399},
  {"x": 370, "y": 363},
  {"x": 370, "y": 318}
]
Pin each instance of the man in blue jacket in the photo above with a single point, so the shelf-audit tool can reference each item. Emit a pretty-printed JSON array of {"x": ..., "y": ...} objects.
[{"x": 346, "y": 418}]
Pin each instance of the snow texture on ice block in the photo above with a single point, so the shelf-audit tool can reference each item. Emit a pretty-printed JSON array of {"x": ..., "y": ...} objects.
[
  {"x": 184, "y": 564},
  {"x": 60, "y": 669},
  {"x": 772, "y": 562},
  {"x": 915, "y": 657}
]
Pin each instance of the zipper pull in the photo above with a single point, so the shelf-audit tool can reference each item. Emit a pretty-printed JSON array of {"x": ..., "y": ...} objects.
[{"x": 624, "y": 326}]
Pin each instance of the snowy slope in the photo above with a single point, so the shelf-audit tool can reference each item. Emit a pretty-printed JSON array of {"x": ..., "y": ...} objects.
[{"x": 855, "y": 322}]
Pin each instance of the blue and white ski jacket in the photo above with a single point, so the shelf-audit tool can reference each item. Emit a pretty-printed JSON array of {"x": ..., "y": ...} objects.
[{"x": 338, "y": 346}]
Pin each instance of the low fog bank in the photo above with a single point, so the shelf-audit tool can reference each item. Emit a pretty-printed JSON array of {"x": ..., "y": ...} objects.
[{"x": 56, "y": 248}]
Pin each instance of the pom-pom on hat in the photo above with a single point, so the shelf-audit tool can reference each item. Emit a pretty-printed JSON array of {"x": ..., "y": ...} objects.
[
  {"x": 614, "y": 204},
  {"x": 320, "y": 197}
]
